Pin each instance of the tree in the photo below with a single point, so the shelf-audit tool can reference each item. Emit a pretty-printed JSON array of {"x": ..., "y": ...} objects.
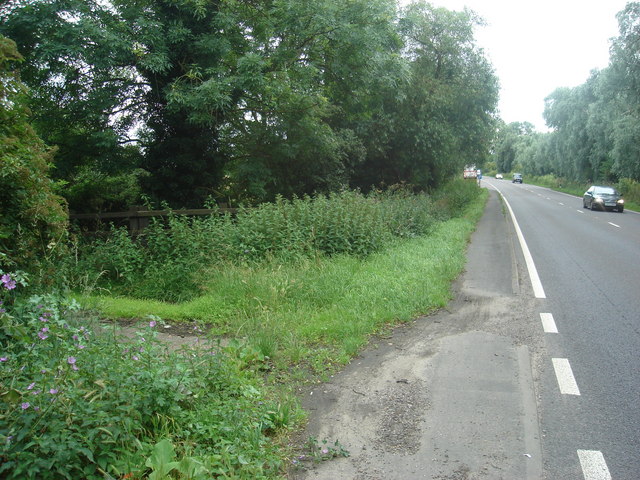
[
  {"x": 442, "y": 116},
  {"x": 32, "y": 219}
]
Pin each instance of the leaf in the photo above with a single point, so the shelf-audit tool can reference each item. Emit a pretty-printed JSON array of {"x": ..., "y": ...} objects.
[{"x": 161, "y": 460}]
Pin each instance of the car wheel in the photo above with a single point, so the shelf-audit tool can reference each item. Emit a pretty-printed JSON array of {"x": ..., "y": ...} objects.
[
  {"x": 593, "y": 207},
  {"x": 584, "y": 204},
  {"x": 620, "y": 209}
]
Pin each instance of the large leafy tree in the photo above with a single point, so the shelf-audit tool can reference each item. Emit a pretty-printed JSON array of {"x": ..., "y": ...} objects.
[
  {"x": 32, "y": 218},
  {"x": 240, "y": 97},
  {"x": 441, "y": 115}
]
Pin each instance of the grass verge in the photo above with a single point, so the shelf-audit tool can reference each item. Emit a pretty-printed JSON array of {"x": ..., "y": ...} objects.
[{"x": 320, "y": 312}]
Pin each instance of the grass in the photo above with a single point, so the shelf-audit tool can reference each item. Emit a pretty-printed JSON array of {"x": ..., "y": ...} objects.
[{"x": 318, "y": 313}]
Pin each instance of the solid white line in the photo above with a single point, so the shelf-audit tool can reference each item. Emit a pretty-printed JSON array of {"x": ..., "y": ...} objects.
[
  {"x": 564, "y": 374},
  {"x": 538, "y": 291},
  {"x": 548, "y": 324},
  {"x": 617, "y": 226},
  {"x": 593, "y": 465}
]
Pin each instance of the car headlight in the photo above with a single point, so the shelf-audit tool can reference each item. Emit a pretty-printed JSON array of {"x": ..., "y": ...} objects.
[
  {"x": 598, "y": 199},
  {"x": 621, "y": 201}
]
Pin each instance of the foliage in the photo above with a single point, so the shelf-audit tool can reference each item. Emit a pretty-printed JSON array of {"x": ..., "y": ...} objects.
[
  {"x": 33, "y": 219},
  {"x": 79, "y": 402},
  {"x": 246, "y": 101},
  {"x": 596, "y": 125},
  {"x": 440, "y": 115},
  {"x": 168, "y": 261}
]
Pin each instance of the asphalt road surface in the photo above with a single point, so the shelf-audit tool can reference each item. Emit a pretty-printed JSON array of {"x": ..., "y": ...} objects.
[
  {"x": 589, "y": 265},
  {"x": 532, "y": 372}
]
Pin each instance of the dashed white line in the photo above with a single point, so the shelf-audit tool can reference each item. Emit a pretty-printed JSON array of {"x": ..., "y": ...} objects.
[
  {"x": 593, "y": 465},
  {"x": 579, "y": 211},
  {"x": 564, "y": 375},
  {"x": 548, "y": 324},
  {"x": 617, "y": 226},
  {"x": 560, "y": 203}
]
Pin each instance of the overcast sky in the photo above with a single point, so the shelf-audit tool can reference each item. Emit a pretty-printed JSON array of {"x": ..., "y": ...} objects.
[{"x": 537, "y": 46}]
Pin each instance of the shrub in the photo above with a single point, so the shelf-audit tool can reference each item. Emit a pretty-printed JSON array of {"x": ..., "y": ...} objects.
[
  {"x": 170, "y": 259},
  {"x": 77, "y": 403},
  {"x": 33, "y": 220}
]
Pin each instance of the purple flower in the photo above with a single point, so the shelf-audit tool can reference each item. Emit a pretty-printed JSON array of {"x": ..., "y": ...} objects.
[
  {"x": 53, "y": 391},
  {"x": 42, "y": 336},
  {"x": 75, "y": 338},
  {"x": 25, "y": 405},
  {"x": 30, "y": 387},
  {"x": 3, "y": 359},
  {"x": 42, "y": 319},
  {"x": 8, "y": 282},
  {"x": 81, "y": 347},
  {"x": 135, "y": 357},
  {"x": 72, "y": 361},
  {"x": 152, "y": 323}
]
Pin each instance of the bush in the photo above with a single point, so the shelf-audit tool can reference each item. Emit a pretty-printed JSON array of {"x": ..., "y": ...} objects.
[
  {"x": 170, "y": 259},
  {"x": 78, "y": 403},
  {"x": 33, "y": 220}
]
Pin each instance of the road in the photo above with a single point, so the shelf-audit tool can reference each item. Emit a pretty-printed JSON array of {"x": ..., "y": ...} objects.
[
  {"x": 589, "y": 265},
  {"x": 530, "y": 373}
]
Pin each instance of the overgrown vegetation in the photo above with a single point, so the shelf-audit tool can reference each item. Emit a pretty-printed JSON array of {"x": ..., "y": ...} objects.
[
  {"x": 170, "y": 260},
  {"x": 79, "y": 402}
]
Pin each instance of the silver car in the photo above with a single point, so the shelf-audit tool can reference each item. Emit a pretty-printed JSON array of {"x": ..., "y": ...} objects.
[{"x": 602, "y": 198}]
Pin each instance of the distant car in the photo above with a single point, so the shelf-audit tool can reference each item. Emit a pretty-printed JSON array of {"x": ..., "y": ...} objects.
[
  {"x": 499, "y": 176},
  {"x": 517, "y": 178},
  {"x": 602, "y": 198}
]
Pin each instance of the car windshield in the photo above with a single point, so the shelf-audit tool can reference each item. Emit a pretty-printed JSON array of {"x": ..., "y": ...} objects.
[{"x": 605, "y": 190}]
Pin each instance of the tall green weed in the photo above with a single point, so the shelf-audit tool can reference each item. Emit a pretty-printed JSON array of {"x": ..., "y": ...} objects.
[{"x": 169, "y": 261}]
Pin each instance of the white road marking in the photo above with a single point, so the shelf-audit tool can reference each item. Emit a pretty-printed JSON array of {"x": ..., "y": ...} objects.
[
  {"x": 593, "y": 465},
  {"x": 579, "y": 211},
  {"x": 538, "y": 291},
  {"x": 617, "y": 226},
  {"x": 564, "y": 375},
  {"x": 548, "y": 324},
  {"x": 560, "y": 203}
]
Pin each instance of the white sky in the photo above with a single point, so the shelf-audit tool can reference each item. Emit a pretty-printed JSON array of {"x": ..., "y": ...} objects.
[{"x": 537, "y": 46}]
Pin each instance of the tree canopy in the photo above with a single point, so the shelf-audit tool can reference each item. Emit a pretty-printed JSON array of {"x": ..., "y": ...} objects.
[
  {"x": 185, "y": 100},
  {"x": 595, "y": 126}
]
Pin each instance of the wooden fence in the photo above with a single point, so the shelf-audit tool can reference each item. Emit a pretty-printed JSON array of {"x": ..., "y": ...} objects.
[{"x": 138, "y": 217}]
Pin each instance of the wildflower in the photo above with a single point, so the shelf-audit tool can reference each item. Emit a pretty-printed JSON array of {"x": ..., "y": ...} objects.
[
  {"x": 30, "y": 387},
  {"x": 53, "y": 391},
  {"x": 135, "y": 357},
  {"x": 43, "y": 319},
  {"x": 75, "y": 338},
  {"x": 42, "y": 336},
  {"x": 72, "y": 361},
  {"x": 81, "y": 347},
  {"x": 152, "y": 323},
  {"x": 3, "y": 359},
  {"x": 25, "y": 405},
  {"x": 325, "y": 451},
  {"x": 8, "y": 282}
]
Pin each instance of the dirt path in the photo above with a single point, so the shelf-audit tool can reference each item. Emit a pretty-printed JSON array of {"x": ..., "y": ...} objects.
[{"x": 449, "y": 396}]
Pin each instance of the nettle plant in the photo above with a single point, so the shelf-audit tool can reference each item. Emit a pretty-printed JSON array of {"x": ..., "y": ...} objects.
[{"x": 80, "y": 402}]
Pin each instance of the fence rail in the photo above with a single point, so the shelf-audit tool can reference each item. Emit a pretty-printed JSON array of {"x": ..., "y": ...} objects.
[{"x": 138, "y": 218}]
